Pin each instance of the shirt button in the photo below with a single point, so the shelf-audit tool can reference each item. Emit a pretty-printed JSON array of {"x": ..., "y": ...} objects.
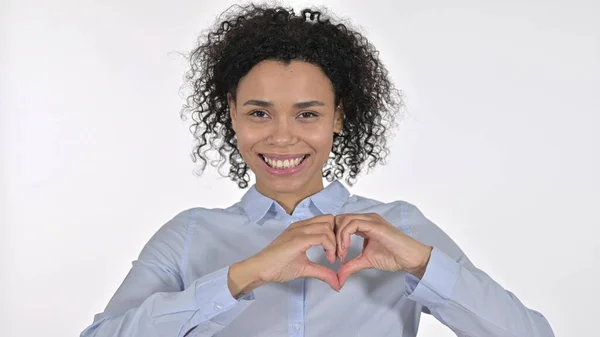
[
  {"x": 306, "y": 204},
  {"x": 296, "y": 326},
  {"x": 218, "y": 306}
]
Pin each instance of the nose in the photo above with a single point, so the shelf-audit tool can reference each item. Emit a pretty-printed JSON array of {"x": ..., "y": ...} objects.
[{"x": 282, "y": 133}]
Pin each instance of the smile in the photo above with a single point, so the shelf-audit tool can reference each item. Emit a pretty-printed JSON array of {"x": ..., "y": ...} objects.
[{"x": 283, "y": 162}]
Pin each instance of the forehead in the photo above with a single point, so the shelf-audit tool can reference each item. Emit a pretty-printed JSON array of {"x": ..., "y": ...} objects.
[{"x": 277, "y": 82}]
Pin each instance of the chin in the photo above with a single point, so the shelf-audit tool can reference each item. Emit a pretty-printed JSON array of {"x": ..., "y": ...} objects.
[{"x": 283, "y": 185}]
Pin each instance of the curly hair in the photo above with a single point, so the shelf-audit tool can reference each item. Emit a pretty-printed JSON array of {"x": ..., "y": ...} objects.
[{"x": 246, "y": 35}]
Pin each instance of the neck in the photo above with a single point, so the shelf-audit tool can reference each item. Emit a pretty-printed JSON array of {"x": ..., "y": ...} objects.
[{"x": 290, "y": 199}]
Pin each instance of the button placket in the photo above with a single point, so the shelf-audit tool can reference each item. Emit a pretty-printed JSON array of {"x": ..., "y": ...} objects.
[{"x": 296, "y": 297}]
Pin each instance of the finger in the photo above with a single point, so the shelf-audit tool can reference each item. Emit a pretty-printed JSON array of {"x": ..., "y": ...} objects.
[
  {"x": 347, "y": 241},
  {"x": 350, "y": 267},
  {"x": 348, "y": 227},
  {"x": 323, "y": 228},
  {"x": 354, "y": 226},
  {"x": 325, "y": 240},
  {"x": 317, "y": 227},
  {"x": 327, "y": 218},
  {"x": 331, "y": 248},
  {"x": 322, "y": 273},
  {"x": 341, "y": 222},
  {"x": 341, "y": 219},
  {"x": 331, "y": 253}
]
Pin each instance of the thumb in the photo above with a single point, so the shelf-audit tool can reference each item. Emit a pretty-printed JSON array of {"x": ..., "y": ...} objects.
[
  {"x": 322, "y": 273},
  {"x": 352, "y": 266}
]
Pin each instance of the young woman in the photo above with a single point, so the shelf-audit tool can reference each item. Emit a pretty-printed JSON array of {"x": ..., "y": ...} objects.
[{"x": 295, "y": 99}]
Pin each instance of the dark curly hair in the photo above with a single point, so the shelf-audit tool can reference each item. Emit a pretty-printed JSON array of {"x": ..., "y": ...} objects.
[{"x": 246, "y": 35}]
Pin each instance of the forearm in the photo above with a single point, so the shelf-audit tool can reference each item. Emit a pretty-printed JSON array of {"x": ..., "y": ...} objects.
[
  {"x": 495, "y": 311},
  {"x": 470, "y": 302},
  {"x": 172, "y": 313}
]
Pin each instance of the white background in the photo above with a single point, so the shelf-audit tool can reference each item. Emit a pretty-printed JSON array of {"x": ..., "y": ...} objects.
[{"x": 497, "y": 148}]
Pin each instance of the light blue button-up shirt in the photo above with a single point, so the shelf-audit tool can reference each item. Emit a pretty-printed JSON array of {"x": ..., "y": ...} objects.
[{"x": 178, "y": 285}]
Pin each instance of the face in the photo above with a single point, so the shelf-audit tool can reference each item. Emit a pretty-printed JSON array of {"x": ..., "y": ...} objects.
[{"x": 284, "y": 119}]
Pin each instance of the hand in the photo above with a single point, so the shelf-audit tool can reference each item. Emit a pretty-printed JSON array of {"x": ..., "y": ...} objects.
[
  {"x": 385, "y": 247},
  {"x": 285, "y": 258}
]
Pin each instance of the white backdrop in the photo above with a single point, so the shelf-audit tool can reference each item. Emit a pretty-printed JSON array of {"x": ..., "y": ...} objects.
[{"x": 498, "y": 147}]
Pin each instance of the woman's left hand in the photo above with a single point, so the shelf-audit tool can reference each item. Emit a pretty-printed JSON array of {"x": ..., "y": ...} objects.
[{"x": 385, "y": 247}]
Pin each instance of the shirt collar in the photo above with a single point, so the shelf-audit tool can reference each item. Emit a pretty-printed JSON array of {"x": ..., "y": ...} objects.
[{"x": 329, "y": 201}]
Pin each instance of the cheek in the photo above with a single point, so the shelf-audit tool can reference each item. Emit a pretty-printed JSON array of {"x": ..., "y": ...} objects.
[
  {"x": 245, "y": 149},
  {"x": 244, "y": 144},
  {"x": 321, "y": 143},
  {"x": 247, "y": 138}
]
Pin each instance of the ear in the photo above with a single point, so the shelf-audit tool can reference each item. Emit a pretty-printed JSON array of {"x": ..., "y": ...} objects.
[
  {"x": 338, "y": 119},
  {"x": 232, "y": 110}
]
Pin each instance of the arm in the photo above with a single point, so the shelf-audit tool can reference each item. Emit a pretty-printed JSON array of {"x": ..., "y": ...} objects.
[
  {"x": 151, "y": 301},
  {"x": 463, "y": 297}
]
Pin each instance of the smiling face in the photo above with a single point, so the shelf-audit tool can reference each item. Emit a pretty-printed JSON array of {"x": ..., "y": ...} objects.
[{"x": 284, "y": 119}]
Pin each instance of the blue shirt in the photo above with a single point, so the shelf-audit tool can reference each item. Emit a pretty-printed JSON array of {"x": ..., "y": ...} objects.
[{"x": 178, "y": 285}]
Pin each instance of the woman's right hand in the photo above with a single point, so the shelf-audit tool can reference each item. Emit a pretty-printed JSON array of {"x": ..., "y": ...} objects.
[{"x": 285, "y": 258}]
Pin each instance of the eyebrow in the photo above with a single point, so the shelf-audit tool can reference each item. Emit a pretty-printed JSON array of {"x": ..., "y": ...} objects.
[{"x": 299, "y": 105}]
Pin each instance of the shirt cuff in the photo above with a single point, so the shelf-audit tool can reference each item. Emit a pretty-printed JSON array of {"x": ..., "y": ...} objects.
[
  {"x": 437, "y": 284},
  {"x": 215, "y": 300}
]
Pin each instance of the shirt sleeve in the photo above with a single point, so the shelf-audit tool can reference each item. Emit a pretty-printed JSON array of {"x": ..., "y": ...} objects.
[
  {"x": 152, "y": 300},
  {"x": 463, "y": 297}
]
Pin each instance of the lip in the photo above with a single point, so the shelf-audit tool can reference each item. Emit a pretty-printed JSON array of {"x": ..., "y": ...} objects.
[
  {"x": 284, "y": 156},
  {"x": 284, "y": 171}
]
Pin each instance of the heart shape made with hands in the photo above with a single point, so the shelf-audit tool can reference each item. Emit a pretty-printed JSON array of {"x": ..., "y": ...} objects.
[{"x": 385, "y": 247}]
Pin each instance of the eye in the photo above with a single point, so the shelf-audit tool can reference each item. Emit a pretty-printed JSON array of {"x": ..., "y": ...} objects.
[
  {"x": 308, "y": 114},
  {"x": 258, "y": 113}
]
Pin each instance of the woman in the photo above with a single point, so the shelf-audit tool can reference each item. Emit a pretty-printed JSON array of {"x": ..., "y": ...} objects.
[{"x": 295, "y": 99}]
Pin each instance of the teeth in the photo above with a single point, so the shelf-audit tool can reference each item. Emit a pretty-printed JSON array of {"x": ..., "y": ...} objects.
[{"x": 287, "y": 163}]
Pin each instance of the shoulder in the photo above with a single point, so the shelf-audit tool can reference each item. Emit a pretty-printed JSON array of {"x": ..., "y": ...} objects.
[
  {"x": 399, "y": 208},
  {"x": 177, "y": 231},
  {"x": 177, "y": 228},
  {"x": 202, "y": 217},
  {"x": 174, "y": 230}
]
